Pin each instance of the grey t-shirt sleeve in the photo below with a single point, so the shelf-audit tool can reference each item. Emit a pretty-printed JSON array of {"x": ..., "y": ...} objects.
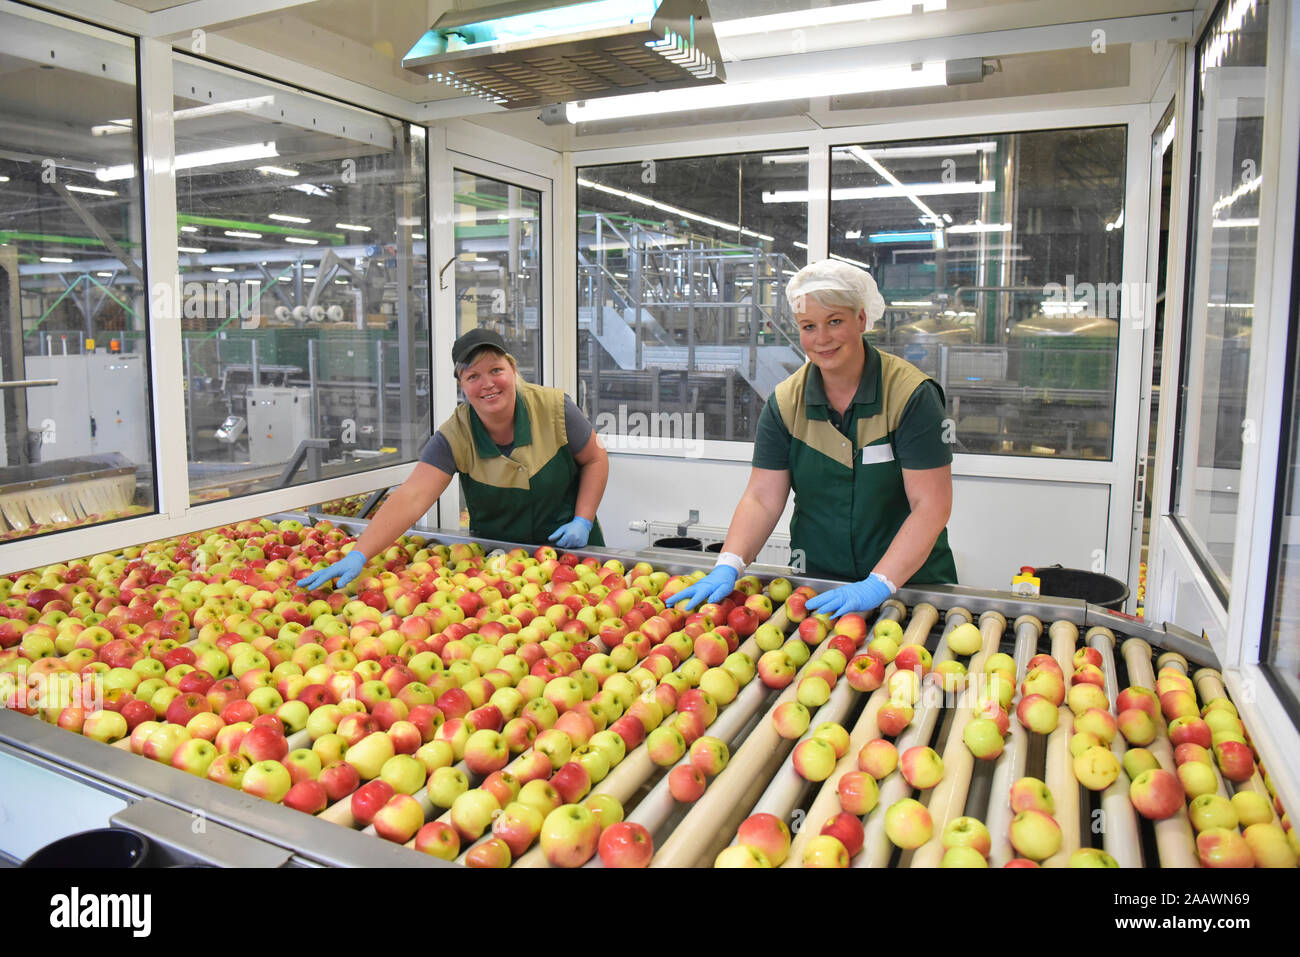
[
  {"x": 576, "y": 427},
  {"x": 437, "y": 452}
]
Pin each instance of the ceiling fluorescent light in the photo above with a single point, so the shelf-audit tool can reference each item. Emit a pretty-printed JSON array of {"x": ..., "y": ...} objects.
[
  {"x": 92, "y": 191},
  {"x": 907, "y": 190},
  {"x": 113, "y": 127},
  {"x": 674, "y": 210},
  {"x": 222, "y": 269},
  {"x": 978, "y": 227},
  {"x": 242, "y": 234},
  {"x": 193, "y": 250},
  {"x": 869, "y": 80},
  {"x": 1251, "y": 222},
  {"x": 352, "y": 226},
  {"x": 300, "y": 240},
  {"x": 823, "y": 16},
  {"x": 281, "y": 217},
  {"x": 225, "y": 154},
  {"x": 189, "y": 229},
  {"x": 55, "y": 259},
  {"x": 276, "y": 170}
]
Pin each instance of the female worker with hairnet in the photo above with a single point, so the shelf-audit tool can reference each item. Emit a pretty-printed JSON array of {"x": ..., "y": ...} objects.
[{"x": 858, "y": 434}]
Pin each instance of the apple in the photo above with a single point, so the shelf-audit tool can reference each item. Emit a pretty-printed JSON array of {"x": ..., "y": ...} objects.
[
  {"x": 836, "y": 735},
  {"x": 893, "y": 717},
  {"x": 339, "y": 779},
  {"x": 966, "y": 857},
  {"x": 195, "y": 756},
  {"x": 914, "y": 658},
  {"x": 1099, "y": 722},
  {"x": 1268, "y": 844},
  {"x": 1190, "y": 729},
  {"x": 1037, "y": 714},
  {"x": 965, "y": 639},
  {"x": 1091, "y": 857},
  {"x": 1097, "y": 768},
  {"x": 1212, "y": 810},
  {"x": 776, "y": 669},
  {"x": 878, "y": 758},
  {"x": 518, "y": 826},
  {"x": 570, "y": 835},
  {"x": 1031, "y": 794},
  {"x": 791, "y": 720},
  {"x": 1084, "y": 696},
  {"x": 1137, "y": 726},
  {"x": 1081, "y": 742},
  {"x": 766, "y": 834},
  {"x": 228, "y": 770},
  {"x": 267, "y": 779},
  {"x": 982, "y": 737},
  {"x": 709, "y": 754},
  {"x": 445, "y": 785},
  {"x": 1197, "y": 779},
  {"x": 473, "y": 812},
  {"x": 438, "y": 839},
  {"x": 1236, "y": 760},
  {"x": 308, "y": 796},
  {"x": 967, "y": 832},
  {"x": 863, "y": 673},
  {"x": 921, "y": 767},
  {"x": 826, "y": 850},
  {"x": 400, "y": 819},
  {"x": 1035, "y": 835},
  {"x": 847, "y": 829},
  {"x": 1252, "y": 808},
  {"x": 1156, "y": 794},
  {"x": 908, "y": 824},
  {"x": 539, "y": 794},
  {"x": 686, "y": 783},
  {"x": 1137, "y": 760},
  {"x": 571, "y": 782},
  {"x": 1135, "y": 696},
  {"x": 741, "y": 855},
  {"x": 1220, "y": 847},
  {"x": 625, "y": 844},
  {"x": 814, "y": 759}
]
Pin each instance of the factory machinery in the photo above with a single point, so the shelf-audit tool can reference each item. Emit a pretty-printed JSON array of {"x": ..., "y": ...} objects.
[
  {"x": 671, "y": 322},
  {"x": 768, "y": 771}
]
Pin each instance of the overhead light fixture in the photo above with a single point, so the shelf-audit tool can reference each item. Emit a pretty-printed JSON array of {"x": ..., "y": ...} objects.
[
  {"x": 189, "y": 229},
  {"x": 193, "y": 250},
  {"x": 55, "y": 259},
  {"x": 853, "y": 234},
  {"x": 114, "y": 127},
  {"x": 914, "y": 236},
  {"x": 300, "y": 240},
  {"x": 4, "y": 179},
  {"x": 281, "y": 217},
  {"x": 242, "y": 234},
  {"x": 911, "y": 302},
  {"x": 824, "y": 16},
  {"x": 352, "y": 226},
  {"x": 1250, "y": 222},
  {"x": 276, "y": 171},
  {"x": 417, "y": 235},
  {"x": 91, "y": 190},
  {"x": 216, "y": 157},
  {"x": 907, "y": 190},
  {"x": 104, "y": 275},
  {"x": 584, "y": 49},
  {"x": 222, "y": 269},
  {"x": 675, "y": 210},
  {"x": 978, "y": 227},
  {"x": 778, "y": 89}
]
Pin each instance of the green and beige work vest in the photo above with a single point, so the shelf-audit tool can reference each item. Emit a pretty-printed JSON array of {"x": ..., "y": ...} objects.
[
  {"x": 849, "y": 496},
  {"x": 528, "y": 494}
]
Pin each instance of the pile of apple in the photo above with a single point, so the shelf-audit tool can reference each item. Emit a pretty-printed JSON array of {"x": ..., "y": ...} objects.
[
  {"x": 436, "y": 666},
  {"x": 1201, "y": 737}
]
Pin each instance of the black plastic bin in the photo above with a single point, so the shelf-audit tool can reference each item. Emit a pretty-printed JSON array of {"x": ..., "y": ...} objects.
[
  {"x": 1087, "y": 586},
  {"x": 106, "y": 847},
  {"x": 687, "y": 544}
]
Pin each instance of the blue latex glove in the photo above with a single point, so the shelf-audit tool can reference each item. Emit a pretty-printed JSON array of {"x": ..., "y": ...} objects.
[
  {"x": 571, "y": 534},
  {"x": 860, "y": 597},
  {"x": 713, "y": 587},
  {"x": 345, "y": 569}
]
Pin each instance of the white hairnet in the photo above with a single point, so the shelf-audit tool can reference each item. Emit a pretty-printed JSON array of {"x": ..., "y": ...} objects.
[{"x": 834, "y": 282}]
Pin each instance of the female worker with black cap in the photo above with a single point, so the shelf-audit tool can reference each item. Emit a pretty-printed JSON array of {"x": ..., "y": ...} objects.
[
  {"x": 858, "y": 434},
  {"x": 531, "y": 467}
]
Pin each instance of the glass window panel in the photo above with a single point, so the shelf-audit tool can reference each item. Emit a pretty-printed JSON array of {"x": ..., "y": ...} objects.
[
  {"x": 1281, "y": 652},
  {"x": 682, "y": 266},
  {"x": 498, "y": 232},
  {"x": 75, "y": 443},
  {"x": 999, "y": 258},
  {"x": 1220, "y": 308},
  {"x": 499, "y": 264},
  {"x": 304, "y": 301}
]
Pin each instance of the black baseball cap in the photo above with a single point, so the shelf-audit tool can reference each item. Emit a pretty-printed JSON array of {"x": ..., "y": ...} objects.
[{"x": 464, "y": 347}]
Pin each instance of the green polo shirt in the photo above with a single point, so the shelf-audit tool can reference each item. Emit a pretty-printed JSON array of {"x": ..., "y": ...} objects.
[{"x": 846, "y": 471}]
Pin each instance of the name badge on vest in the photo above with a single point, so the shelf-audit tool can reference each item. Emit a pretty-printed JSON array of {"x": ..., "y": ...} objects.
[{"x": 876, "y": 454}]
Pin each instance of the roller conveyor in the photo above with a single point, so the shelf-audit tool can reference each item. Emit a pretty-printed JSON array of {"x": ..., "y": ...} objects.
[{"x": 760, "y": 776}]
